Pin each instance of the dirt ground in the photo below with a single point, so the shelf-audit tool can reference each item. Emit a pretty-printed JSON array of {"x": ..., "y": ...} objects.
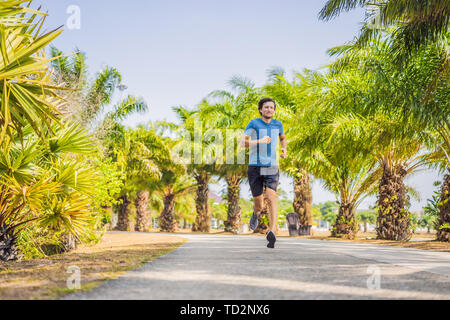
[{"x": 116, "y": 253}]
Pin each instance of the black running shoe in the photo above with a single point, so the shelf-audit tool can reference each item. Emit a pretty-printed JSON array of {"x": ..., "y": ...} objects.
[
  {"x": 272, "y": 239},
  {"x": 254, "y": 221}
]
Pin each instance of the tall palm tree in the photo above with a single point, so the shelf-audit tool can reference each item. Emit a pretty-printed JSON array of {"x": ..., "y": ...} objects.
[
  {"x": 195, "y": 126},
  {"x": 90, "y": 97},
  {"x": 332, "y": 148},
  {"x": 415, "y": 117},
  {"x": 171, "y": 188},
  {"x": 151, "y": 150},
  {"x": 173, "y": 181},
  {"x": 396, "y": 150},
  {"x": 137, "y": 154},
  {"x": 87, "y": 104},
  {"x": 226, "y": 111},
  {"x": 349, "y": 171}
]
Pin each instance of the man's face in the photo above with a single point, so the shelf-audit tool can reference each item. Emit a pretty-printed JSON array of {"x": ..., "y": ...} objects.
[{"x": 268, "y": 110}]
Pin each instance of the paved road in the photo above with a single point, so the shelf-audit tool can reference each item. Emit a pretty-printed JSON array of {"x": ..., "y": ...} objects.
[{"x": 212, "y": 267}]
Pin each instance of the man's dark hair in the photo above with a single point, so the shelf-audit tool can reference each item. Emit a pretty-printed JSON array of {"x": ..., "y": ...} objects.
[{"x": 264, "y": 101}]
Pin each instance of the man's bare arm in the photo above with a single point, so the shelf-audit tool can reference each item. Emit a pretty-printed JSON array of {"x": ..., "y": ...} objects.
[
  {"x": 283, "y": 141},
  {"x": 247, "y": 143}
]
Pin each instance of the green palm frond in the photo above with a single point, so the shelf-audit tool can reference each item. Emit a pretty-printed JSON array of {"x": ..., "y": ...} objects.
[
  {"x": 18, "y": 162},
  {"x": 35, "y": 194},
  {"x": 101, "y": 91},
  {"x": 61, "y": 64},
  {"x": 182, "y": 113},
  {"x": 276, "y": 72},
  {"x": 334, "y": 7},
  {"x": 70, "y": 68},
  {"x": 74, "y": 175},
  {"x": 73, "y": 214},
  {"x": 71, "y": 138},
  {"x": 128, "y": 106},
  {"x": 28, "y": 97},
  {"x": 241, "y": 84},
  {"x": 417, "y": 22}
]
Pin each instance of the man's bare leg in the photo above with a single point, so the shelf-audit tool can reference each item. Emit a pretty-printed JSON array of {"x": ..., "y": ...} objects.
[
  {"x": 273, "y": 208},
  {"x": 258, "y": 205}
]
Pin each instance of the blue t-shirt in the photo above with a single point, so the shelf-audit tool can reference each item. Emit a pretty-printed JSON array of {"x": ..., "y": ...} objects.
[{"x": 264, "y": 155}]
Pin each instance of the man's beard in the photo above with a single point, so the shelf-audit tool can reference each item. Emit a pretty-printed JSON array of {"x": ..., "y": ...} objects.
[{"x": 267, "y": 118}]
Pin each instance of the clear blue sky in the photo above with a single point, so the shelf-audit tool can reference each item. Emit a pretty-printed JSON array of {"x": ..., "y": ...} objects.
[{"x": 176, "y": 52}]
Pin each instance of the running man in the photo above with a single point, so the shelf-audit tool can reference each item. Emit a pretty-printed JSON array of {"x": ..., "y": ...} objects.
[{"x": 261, "y": 136}]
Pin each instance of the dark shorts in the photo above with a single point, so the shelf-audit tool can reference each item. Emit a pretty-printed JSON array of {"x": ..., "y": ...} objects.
[{"x": 259, "y": 177}]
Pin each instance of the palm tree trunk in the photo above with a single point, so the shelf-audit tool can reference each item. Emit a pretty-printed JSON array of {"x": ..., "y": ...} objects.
[
  {"x": 203, "y": 220},
  {"x": 234, "y": 211},
  {"x": 444, "y": 212},
  {"x": 124, "y": 212},
  {"x": 143, "y": 218},
  {"x": 167, "y": 219},
  {"x": 9, "y": 251},
  {"x": 346, "y": 225},
  {"x": 68, "y": 242},
  {"x": 303, "y": 198},
  {"x": 393, "y": 220}
]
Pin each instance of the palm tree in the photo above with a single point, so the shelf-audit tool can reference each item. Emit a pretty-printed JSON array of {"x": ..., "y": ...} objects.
[
  {"x": 417, "y": 22},
  {"x": 172, "y": 185},
  {"x": 444, "y": 212},
  {"x": 28, "y": 97},
  {"x": 173, "y": 190},
  {"x": 397, "y": 162},
  {"x": 138, "y": 154},
  {"x": 232, "y": 112},
  {"x": 87, "y": 103},
  {"x": 334, "y": 148},
  {"x": 148, "y": 146},
  {"x": 89, "y": 98},
  {"x": 44, "y": 175},
  {"x": 173, "y": 182},
  {"x": 46, "y": 183},
  {"x": 351, "y": 181},
  {"x": 191, "y": 123},
  {"x": 400, "y": 97}
]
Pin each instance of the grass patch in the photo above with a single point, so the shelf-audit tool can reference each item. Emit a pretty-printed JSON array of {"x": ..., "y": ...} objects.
[{"x": 117, "y": 253}]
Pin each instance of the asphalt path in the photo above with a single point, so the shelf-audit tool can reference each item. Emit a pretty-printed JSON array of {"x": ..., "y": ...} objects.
[{"x": 219, "y": 267}]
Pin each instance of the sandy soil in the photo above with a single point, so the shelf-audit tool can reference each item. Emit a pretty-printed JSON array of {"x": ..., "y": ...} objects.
[{"x": 116, "y": 253}]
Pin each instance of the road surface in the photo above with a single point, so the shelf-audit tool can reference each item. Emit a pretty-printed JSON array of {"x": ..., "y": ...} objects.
[{"x": 216, "y": 267}]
